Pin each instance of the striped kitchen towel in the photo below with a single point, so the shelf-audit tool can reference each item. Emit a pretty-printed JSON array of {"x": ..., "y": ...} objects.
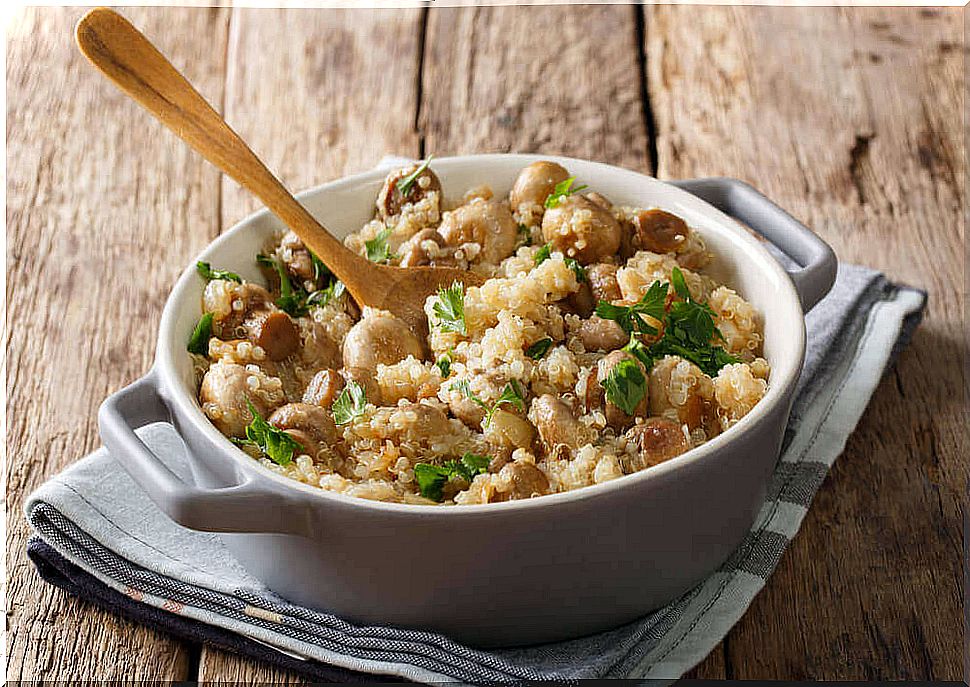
[{"x": 99, "y": 536}]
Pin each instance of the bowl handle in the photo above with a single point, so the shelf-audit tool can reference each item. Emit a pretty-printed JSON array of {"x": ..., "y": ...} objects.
[
  {"x": 245, "y": 507},
  {"x": 815, "y": 259}
]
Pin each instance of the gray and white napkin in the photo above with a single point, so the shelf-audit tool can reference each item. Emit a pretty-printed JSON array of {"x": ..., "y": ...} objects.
[{"x": 95, "y": 517}]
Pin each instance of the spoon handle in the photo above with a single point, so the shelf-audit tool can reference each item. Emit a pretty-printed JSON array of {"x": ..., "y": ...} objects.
[{"x": 130, "y": 60}]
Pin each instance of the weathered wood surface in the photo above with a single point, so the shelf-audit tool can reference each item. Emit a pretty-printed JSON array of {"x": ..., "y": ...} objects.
[
  {"x": 102, "y": 213},
  {"x": 850, "y": 118},
  {"x": 853, "y": 120}
]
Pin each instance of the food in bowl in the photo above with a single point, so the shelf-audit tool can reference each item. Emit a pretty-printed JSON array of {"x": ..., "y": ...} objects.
[{"x": 597, "y": 347}]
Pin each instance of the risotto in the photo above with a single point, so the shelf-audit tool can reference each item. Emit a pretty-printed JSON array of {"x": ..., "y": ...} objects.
[{"x": 596, "y": 347}]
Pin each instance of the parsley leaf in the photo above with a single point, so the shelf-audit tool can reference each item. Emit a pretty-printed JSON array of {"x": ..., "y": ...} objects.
[
  {"x": 431, "y": 479},
  {"x": 636, "y": 348},
  {"x": 199, "y": 341},
  {"x": 350, "y": 403},
  {"x": 511, "y": 395},
  {"x": 450, "y": 308},
  {"x": 404, "y": 185},
  {"x": 331, "y": 291},
  {"x": 539, "y": 348},
  {"x": 542, "y": 254},
  {"x": 631, "y": 318},
  {"x": 276, "y": 444},
  {"x": 377, "y": 248},
  {"x": 444, "y": 364},
  {"x": 294, "y": 300},
  {"x": 625, "y": 385},
  {"x": 577, "y": 269},
  {"x": 206, "y": 272},
  {"x": 562, "y": 189}
]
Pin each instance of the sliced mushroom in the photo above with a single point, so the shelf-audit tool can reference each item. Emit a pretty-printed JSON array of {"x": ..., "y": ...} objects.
[
  {"x": 599, "y": 199},
  {"x": 659, "y": 231},
  {"x": 415, "y": 251},
  {"x": 526, "y": 479},
  {"x": 274, "y": 331},
  {"x": 657, "y": 439},
  {"x": 368, "y": 382},
  {"x": 556, "y": 423},
  {"x": 380, "y": 338},
  {"x": 581, "y": 229},
  {"x": 487, "y": 223},
  {"x": 536, "y": 182},
  {"x": 602, "y": 282},
  {"x": 323, "y": 388},
  {"x": 508, "y": 430},
  {"x": 580, "y": 302},
  {"x": 390, "y": 200},
  {"x": 598, "y": 334},
  {"x": 296, "y": 257},
  {"x": 310, "y": 425}
]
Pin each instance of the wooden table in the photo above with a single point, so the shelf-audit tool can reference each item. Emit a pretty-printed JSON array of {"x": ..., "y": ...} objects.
[{"x": 852, "y": 119}]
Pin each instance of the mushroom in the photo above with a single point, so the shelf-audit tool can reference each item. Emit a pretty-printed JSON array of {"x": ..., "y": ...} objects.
[
  {"x": 657, "y": 439},
  {"x": 616, "y": 417},
  {"x": 487, "y": 223},
  {"x": 323, "y": 388},
  {"x": 581, "y": 229},
  {"x": 598, "y": 334},
  {"x": 379, "y": 338},
  {"x": 225, "y": 390},
  {"x": 390, "y": 200},
  {"x": 310, "y": 425},
  {"x": 535, "y": 183},
  {"x": 556, "y": 423}
]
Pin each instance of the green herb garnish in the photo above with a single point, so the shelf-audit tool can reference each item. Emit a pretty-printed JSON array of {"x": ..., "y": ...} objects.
[
  {"x": 577, "y": 269},
  {"x": 331, "y": 291},
  {"x": 511, "y": 395},
  {"x": 378, "y": 249},
  {"x": 539, "y": 348},
  {"x": 199, "y": 341},
  {"x": 689, "y": 329},
  {"x": 525, "y": 236},
  {"x": 405, "y": 184},
  {"x": 431, "y": 479},
  {"x": 625, "y": 385},
  {"x": 631, "y": 317},
  {"x": 444, "y": 364},
  {"x": 562, "y": 189},
  {"x": 294, "y": 299},
  {"x": 542, "y": 254},
  {"x": 350, "y": 403},
  {"x": 206, "y": 272},
  {"x": 276, "y": 444},
  {"x": 450, "y": 308}
]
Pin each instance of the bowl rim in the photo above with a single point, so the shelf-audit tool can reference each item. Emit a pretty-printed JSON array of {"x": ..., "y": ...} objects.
[{"x": 189, "y": 412}]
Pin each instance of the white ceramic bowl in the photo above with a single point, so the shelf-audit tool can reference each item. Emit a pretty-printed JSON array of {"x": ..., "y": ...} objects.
[{"x": 500, "y": 574}]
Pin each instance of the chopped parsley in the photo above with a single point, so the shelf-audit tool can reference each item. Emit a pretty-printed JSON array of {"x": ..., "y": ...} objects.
[
  {"x": 444, "y": 364},
  {"x": 525, "y": 236},
  {"x": 539, "y": 348},
  {"x": 199, "y": 341},
  {"x": 404, "y": 185},
  {"x": 688, "y": 327},
  {"x": 625, "y": 385},
  {"x": 350, "y": 403},
  {"x": 542, "y": 254},
  {"x": 431, "y": 479},
  {"x": 577, "y": 269},
  {"x": 294, "y": 299},
  {"x": 206, "y": 272},
  {"x": 562, "y": 189},
  {"x": 276, "y": 444},
  {"x": 511, "y": 395},
  {"x": 378, "y": 249},
  {"x": 449, "y": 309},
  {"x": 631, "y": 317}
]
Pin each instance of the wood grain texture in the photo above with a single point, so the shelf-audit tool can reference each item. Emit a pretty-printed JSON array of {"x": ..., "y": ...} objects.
[
  {"x": 852, "y": 119},
  {"x": 103, "y": 211},
  {"x": 558, "y": 80},
  {"x": 320, "y": 93},
  {"x": 317, "y": 94}
]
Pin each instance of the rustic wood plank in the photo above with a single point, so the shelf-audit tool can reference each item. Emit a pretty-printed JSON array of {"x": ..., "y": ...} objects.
[
  {"x": 851, "y": 118},
  {"x": 103, "y": 212},
  {"x": 491, "y": 84},
  {"x": 317, "y": 94}
]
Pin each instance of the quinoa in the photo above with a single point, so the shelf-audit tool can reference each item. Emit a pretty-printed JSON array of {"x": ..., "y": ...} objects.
[{"x": 515, "y": 358}]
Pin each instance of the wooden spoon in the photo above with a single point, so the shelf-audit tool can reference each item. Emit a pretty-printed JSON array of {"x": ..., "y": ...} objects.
[{"x": 126, "y": 57}]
